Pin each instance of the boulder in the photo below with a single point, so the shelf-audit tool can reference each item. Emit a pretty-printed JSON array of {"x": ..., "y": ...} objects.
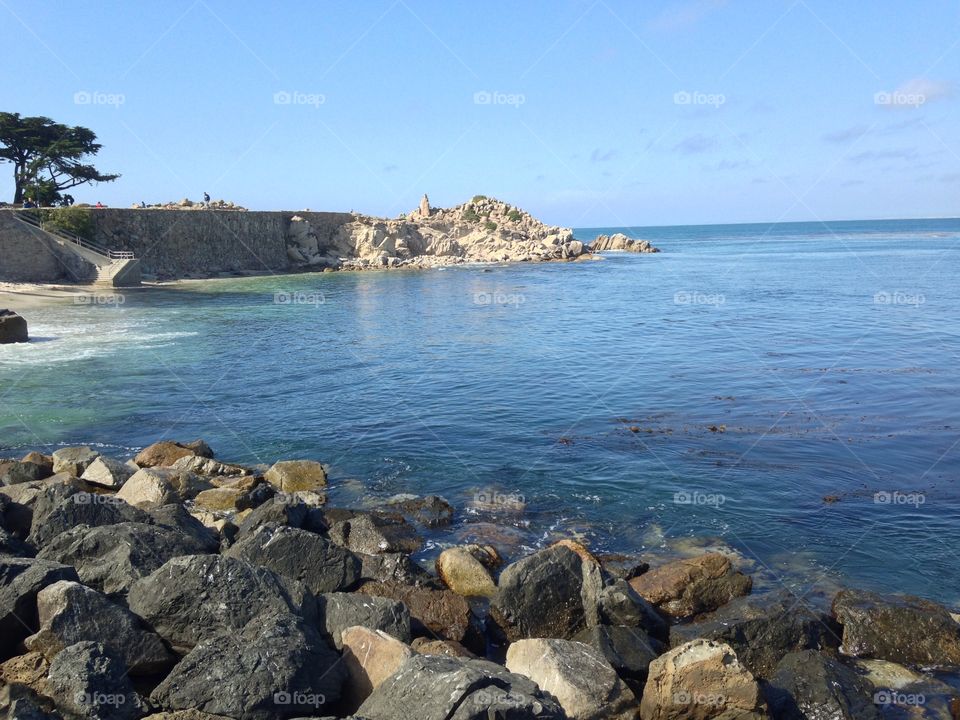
[
  {"x": 629, "y": 650},
  {"x": 148, "y": 487},
  {"x": 86, "y": 680},
  {"x": 461, "y": 571},
  {"x": 29, "y": 669},
  {"x": 208, "y": 467},
  {"x": 164, "y": 454},
  {"x": 577, "y": 675},
  {"x": 339, "y": 611},
  {"x": 274, "y": 666},
  {"x": 293, "y": 475},
  {"x": 394, "y": 567},
  {"x": 107, "y": 472},
  {"x": 807, "y": 684},
  {"x": 903, "y": 694},
  {"x": 281, "y": 509},
  {"x": 18, "y": 702},
  {"x": 299, "y": 555},
  {"x": 62, "y": 508},
  {"x": 21, "y": 579},
  {"x": 437, "y": 613},
  {"x": 15, "y": 472},
  {"x": 447, "y": 648},
  {"x": 619, "y": 604},
  {"x": 700, "y": 680},
  {"x": 688, "y": 587},
  {"x": 370, "y": 657},
  {"x": 553, "y": 593},
  {"x": 13, "y": 328},
  {"x": 429, "y": 687},
  {"x": 900, "y": 628},
  {"x": 70, "y": 613},
  {"x": 190, "y": 599},
  {"x": 373, "y": 534},
  {"x": 73, "y": 460},
  {"x": 222, "y": 499},
  {"x": 761, "y": 630},
  {"x": 431, "y": 511},
  {"x": 176, "y": 517},
  {"x": 111, "y": 558}
]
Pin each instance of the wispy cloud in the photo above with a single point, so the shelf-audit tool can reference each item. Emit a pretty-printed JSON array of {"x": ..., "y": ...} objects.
[
  {"x": 729, "y": 165},
  {"x": 600, "y": 156},
  {"x": 679, "y": 15},
  {"x": 842, "y": 136},
  {"x": 695, "y": 144},
  {"x": 875, "y": 155}
]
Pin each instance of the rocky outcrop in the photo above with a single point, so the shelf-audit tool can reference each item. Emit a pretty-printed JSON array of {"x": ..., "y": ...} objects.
[
  {"x": 809, "y": 685},
  {"x": 86, "y": 680},
  {"x": 620, "y": 242},
  {"x": 339, "y": 611},
  {"x": 13, "y": 328},
  {"x": 21, "y": 579},
  {"x": 685, "y": 588}
]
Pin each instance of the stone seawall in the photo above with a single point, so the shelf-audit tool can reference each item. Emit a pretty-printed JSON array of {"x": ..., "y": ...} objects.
[{"x": 28, "y": 255}]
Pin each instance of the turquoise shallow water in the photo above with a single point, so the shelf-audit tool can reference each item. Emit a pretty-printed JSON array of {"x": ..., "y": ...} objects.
[{"x": 763, "y": 368}]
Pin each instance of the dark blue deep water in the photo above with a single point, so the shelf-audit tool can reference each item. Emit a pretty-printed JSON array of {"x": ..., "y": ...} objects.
[{"x": 710, "y": 395}]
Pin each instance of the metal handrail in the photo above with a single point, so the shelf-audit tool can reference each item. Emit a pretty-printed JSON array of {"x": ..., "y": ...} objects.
[{"x": 34, "y": 219}]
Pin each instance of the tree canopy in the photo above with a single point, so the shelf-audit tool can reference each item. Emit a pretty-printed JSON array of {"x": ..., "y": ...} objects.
[{"x": 48, "y": 154}]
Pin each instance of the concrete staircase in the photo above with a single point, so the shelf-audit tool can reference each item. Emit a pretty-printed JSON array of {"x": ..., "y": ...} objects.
[{"x": 115, "y": 268}]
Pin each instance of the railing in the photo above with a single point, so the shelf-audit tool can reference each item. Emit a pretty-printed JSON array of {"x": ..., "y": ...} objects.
[{"x": 34, "y": 219}]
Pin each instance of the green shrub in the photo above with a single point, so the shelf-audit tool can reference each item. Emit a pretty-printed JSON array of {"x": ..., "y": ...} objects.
[
  {"x": 479, "y": 198},
  {"x": 470, "y": 215},
  {"x": 74, "y": 220},
  {"x": 514, "y": 215},
  {"x": 490, "y": 225}
]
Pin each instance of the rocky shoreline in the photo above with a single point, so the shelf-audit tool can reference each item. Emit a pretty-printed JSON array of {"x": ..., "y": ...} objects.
[{"x": 175, "y": 585}]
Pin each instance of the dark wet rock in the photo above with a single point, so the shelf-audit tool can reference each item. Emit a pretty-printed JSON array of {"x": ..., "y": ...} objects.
[
  {"x": 762, "y": 630},
  {"x": 275, "y": 666},
  {"x": 901, "y": 628},
  {"x": 281, "y": 509},
  {"x": 13, "y": 328},
  {"x": 61, "y": 508},
  {"x": 688, "y": 587},
  {"x": 88, "y": 681},
  {"x": 16, "y": 472},
  {"x": 395, "y": 567},
  {"x": 70, "y": 613},
  {"x": 629, "y": 650},
  {"x": 339, "y": 611},
  {"x": 809, "y": 686},
  {"x": 372, "y": 534},
  {"x": 625, "y": 567},
  {"x": 20, "y": 581},
  {"x": 73, "y": 460},
  {"x": 435, "y": 613},
  {"x": 619, "y": 604},
  {"x": 111, "y": 558},
  {"x": 19, "y": 702},
  {"x": 176, "y": 517},
  {"x": 431, "y": 511},
  {"x": 430, "y": 687},
  {"x": 190, "y": 599},
  {"x": 553, "y": 593},
  {"x": 299, "y": 555}
]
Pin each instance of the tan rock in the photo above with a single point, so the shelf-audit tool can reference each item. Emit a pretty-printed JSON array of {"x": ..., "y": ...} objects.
[
  {"x": 701, "y": 680},
  {"x": 684, "y": 588},
  {"x": 462, "y": 572},
  {"x": 148, "y": 487},
  {"x": 448, "y": 648},
  {"x": 577, "y": 675},
  {"x": 220, "y": 498},
  {"x": 162, "y": 454},
  {"x": 294, "y": 475},
  {"x": 27, "y": 669},
  {"x": 370, "y": 656}
]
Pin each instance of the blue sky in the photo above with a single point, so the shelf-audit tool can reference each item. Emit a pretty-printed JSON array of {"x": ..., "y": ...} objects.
[{"x": 585, "y": 112}]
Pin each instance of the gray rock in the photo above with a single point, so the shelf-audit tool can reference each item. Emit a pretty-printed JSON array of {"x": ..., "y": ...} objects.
[
  {"x": 431, "y": 511},
  {"x": 107, "y": 472},
  {"x": 87, "y": 681},
  {"x": 762, "y": 630},
  {"x": 619, "y": 604},
  {"x": 176, "y": 517},
  {"x": 275, "y": 666},
  {"x": 70, "y": 613},
  {"x": 282, "y": 510},
  {"x": 395, "y": 567},
  {"x": 299, "y": 555},
  {"x": 431, "y": 687},
  {"x": 18, "y": 702},
  {"x": 550, "y": 594},
  {"x": 629, "y": 650},
  {"x": 373, "y": 534},
  {"x": 13, "y": 328},
  {"x": 74, "y": 460},
  {"x": 902, "y": 629},
  {"x": 111, "y": 558},
  {"x": 19, "y": 471},
  {"x": 61, "y": 508},
  {"x": 190, "y": 599},
  {"x": 809, "y": 686},
  {"x": 20, "y": 581},
  {"x": 339, "y": 611}
]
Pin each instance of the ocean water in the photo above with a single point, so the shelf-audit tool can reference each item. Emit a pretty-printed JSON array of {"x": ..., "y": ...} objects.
[{"x": 711, "y": 395}]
